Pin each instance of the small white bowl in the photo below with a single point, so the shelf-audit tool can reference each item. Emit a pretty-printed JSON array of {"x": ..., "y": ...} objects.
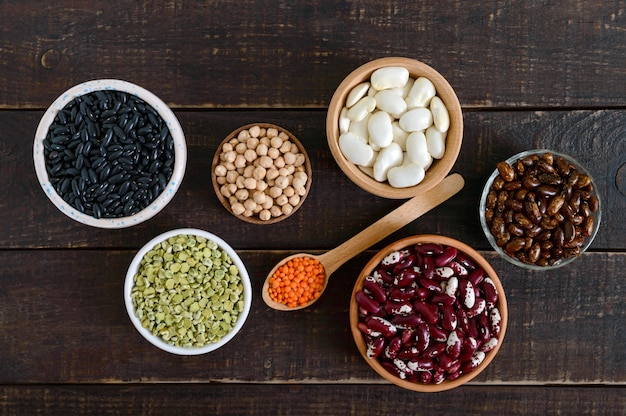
[
  {"x": 158, "y": 341},
  {"x": 180, "y": 153}
]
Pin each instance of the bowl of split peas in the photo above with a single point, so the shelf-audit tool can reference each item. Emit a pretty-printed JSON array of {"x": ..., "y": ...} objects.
[
  {"x": 187, "y": 292},
  {"x": 395, "y": 127},
  {"x": 261, "y": 173}
]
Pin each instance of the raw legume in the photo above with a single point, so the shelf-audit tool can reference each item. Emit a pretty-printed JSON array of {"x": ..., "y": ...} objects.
[
  {"x": 540, "y": 209},
  {"x": 297, "y": 282},
  {"x": 188, "y": 291},
  {"x": 262, "y": 183},
  {"x": 108, "y": 154},
  {"x": 393, "y": 126},
  {"x": 428, "y": 313}
]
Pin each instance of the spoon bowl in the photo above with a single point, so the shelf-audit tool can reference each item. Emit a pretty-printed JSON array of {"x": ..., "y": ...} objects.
[{"x": 387, "y": 225}]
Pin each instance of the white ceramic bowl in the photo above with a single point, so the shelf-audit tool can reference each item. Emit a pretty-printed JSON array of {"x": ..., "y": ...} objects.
[
  {"x": 180, "y": 153},
  {"x": 158, "y": 341}
]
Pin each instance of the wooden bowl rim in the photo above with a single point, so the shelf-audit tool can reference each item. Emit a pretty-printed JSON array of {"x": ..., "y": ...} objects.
[
  {"x": 439, "y": 168},
  {"x": 405, "y": 242},
  {"x": 255, "y": 219}
]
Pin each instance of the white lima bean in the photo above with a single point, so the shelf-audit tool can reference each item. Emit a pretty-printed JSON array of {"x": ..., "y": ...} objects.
[
  {"x": 393, "y": 126},
  {"x": 260, "y": 168}
]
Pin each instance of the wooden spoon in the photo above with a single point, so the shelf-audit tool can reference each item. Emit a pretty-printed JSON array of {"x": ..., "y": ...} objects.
[{"x": 396, "y": 219}]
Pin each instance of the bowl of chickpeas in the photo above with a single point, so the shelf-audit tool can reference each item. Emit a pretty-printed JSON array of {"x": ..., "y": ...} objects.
[{"x": 261, "y": 173}]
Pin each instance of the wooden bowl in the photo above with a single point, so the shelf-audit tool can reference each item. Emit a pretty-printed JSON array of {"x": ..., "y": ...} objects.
[
  {"x": 254, "y": 219},
  {"x": 439, "y": 168},
  {"x": 369, "y": 269}
]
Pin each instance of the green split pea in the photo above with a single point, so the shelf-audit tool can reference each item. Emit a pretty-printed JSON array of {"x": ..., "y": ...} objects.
[{"x": 188, "y": 291}]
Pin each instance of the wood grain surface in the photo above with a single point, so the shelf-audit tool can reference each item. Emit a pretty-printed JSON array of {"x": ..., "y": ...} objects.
[{"x": 528, "y": 75}]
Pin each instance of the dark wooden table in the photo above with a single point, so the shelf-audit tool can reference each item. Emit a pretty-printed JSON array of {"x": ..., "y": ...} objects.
[{"x": 528, "y": 75}]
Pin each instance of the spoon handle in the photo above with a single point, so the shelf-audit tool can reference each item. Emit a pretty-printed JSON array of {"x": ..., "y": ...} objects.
[{"x": 396, "y": 219}]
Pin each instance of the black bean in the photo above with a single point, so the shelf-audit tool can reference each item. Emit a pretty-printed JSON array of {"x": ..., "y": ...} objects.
[{"x": 115, "y": 179}]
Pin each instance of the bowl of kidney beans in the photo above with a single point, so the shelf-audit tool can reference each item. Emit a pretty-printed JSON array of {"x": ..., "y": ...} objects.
[
  {"x": 109, "y": 153},
  {"x": 428, "y": 313},
  {"x": 540, "y": 209}
]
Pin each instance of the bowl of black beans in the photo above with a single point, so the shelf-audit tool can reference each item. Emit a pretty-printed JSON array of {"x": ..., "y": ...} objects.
[
  {"x": 540, "y": 209},
  {"x": 109, "y": 153}
]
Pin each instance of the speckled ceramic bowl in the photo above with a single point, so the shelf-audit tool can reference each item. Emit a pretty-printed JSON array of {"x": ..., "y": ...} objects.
[{"x": 158, "y": 202}]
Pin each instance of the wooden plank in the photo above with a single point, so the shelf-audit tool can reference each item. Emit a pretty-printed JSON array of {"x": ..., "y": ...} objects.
[
  {"x": 280, "y": 54},
  {"x": 290, "y": 399},
  {"x": 62, "y": 320},
  {"x": 593, "y": 137}
]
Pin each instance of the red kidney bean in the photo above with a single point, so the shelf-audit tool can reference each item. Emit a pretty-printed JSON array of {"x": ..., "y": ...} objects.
[
  {"x": 449, "y": 319},
  {"x": 421, "y": 364},
  {"x": 434, "y": 350},
  {"x": 495, "y": 321},
  {"x": 405, "y": 278},
  {"x": 438, "y": 334},
  {"x": 448, "y": 254},
  {"x": 378, "y": 324},
  {"x": 403, "y": 367},
  {"x": 398, "y": 308},
  {"x": 393, "y": 347},
  {"x": 408, "y": 353},
  {"x": 393, "y": 369},
  {"x": 375, "y": 347},
  {"x": 423, "y": 337},
  {"x": 407, "y": 322},
  {"x": 458, "y": 269},
  {"x": 470, "y": 345},
  {"x": 489, "y": 345},
  {"x": 428, "y": 312},
  {"x": 375, "y": 289},
  {"x": 428, "y": 268},
  {"x": 402, "y": 294},
  {"x": 367, "y": 330},
  {"x": 467, "y": 294},
  {"x": 453, "y": 344},
  {"x": 366, "y": 302},
  {"x": 422, "y": 293},
  {"x": 479, "y": 307},
  {"x": 430, "y": 284},
  {"x": 465, "y": 261},
  {"x": 429, "y": 249},
  {"x": 473, "y": 362},
  {"x": 443, "y": 273},
  {"x": 393, "y": 258},
  {"x": 490, "y": 291},
  {"x": 484, "y": 328},
  {"x": 446, "y": 361},
  {"x": 406, "y": 262},
  {"x": 442, "y": 299}
]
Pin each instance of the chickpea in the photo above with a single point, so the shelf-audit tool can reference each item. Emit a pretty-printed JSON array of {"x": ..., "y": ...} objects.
[
  {"x": 259, "y": 173},
  {"x": 243, "y": 135},
  {"x": 276, "y": 142},
  {"x": 252, "y": 143},
  {"x": 231, "y": 176},
  {"x": 240, "y": 148},
  {"x": 286, "y": 147},
  {"x": 221, "y": 180},
  {"x": 225, "y": 192},
  {"x": 290, "y": 158},
  {"x": 229, "y": 156},
  {"x": 282, "y": 182},
  {"x": 220, "y": 170},
  {"x": 273, "y": 152},
  {"x": 250, "y": 155},
  {"x": 265, "y": 215},
  {"x": 259, "y": 197},
  {"x": 239, "y": 182},
  {"x": 279, "y": 162},
  {"x": 276, "y": 211},
  {"x": 275, "y": 192},
  {"x": 272, "y": 173},
  {"x": 261, "y": 149},
  {"x": 227, "y": 147},
  {"x": 289, "y": 191},
  {"x": 261, "y": 185},
  {"x": 240, "y": 162},
  {"x": 249, "y": 204},
  {"x": 271, "y": 132},
  {"x": 294, "y": 199},
  {"x": 242, "y": 194},
  {"x": 255, "y": 131},
  {"x": 282, "y": 200},
  {"x": 248, "y": 171},
  {"x": 249, "y": 183},
  {"x": 237, "y": 208},
  {"x": 268, "y": 203},
  {"x": 266, "y": 162},
  {"x": 286, "y": 209}
]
